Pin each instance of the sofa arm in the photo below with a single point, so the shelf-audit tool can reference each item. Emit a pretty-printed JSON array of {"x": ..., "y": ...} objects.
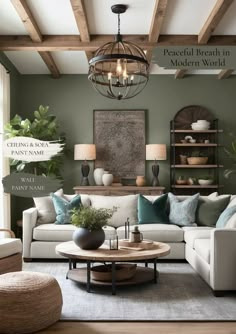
[
  {"x": 222, "y": 261},
  {"x": 29, "y": 222}
]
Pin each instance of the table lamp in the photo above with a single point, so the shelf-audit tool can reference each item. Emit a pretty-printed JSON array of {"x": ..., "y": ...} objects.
[
  {"x": 85, "y": 152},
  {"x": 155, "y": 152}
]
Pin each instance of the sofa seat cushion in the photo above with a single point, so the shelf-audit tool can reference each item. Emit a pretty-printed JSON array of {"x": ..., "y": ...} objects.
[
  {"x": 199, "y": 233},
  {"x": 202, "y": 247},
  {"x": 53, "y": 232},
  {"x": 10, "y": 246},
  {"x": 126, "y": 208},
  {"x": 157, "y": 232},
  {"x": 57, "y": 232}
]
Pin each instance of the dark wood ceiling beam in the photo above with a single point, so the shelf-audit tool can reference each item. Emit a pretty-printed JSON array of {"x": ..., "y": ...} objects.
[
  {"x": 81, "y": 19},
  {"x": 73, "y": 42},
  {"x": 180, "y": 73},
  {"x": 213, "y": 20},
  {"x": 79, "y": 11},
  {"x": 50, "y": 63},
  {"x": 34, "y": 32},
  {"x": 224, "y": 74},
  {"x": 156, "y": 24},
  {"x": 28, "y": 20}
]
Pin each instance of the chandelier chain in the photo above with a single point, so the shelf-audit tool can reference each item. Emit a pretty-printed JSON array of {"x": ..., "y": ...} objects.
[{"x": 118, "y": 24}]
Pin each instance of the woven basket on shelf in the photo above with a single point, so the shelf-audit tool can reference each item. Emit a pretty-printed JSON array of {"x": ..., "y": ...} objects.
[{"x": 197, "y": 160}]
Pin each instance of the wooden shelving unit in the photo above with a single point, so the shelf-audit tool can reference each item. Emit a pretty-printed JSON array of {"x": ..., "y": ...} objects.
[{"x": 180, "y": 127}]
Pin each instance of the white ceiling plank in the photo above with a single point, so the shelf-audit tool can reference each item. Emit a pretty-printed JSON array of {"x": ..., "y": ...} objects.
[
  {"x": 186, "y": 16},
  {"x": 10, "y": 22},
  {"x": 54, "y": 17},
  {"x": 71, "y": 62},
  {"x": 27, "y": 62},
  {"x": 136, "y": 20}
]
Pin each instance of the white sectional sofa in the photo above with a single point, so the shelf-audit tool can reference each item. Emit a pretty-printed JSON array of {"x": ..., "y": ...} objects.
[{"x": 210, "y": 251}]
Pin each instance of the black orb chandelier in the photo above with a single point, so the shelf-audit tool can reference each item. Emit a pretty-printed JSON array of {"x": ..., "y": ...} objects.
[{"x": 119, "y": 70}]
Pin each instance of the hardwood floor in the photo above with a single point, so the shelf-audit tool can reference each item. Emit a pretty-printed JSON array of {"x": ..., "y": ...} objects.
[{"x": 141, "y": 327}]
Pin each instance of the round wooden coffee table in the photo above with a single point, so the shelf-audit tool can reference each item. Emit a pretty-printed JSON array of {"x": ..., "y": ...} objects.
[{"x": 104, "y": 254}]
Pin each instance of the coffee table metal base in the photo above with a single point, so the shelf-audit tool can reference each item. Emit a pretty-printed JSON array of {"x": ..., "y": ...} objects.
[{"x": 83, "y": 276}]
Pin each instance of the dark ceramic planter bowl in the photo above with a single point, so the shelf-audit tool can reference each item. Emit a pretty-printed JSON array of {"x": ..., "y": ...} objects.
[{"x": 86, "y": 239}]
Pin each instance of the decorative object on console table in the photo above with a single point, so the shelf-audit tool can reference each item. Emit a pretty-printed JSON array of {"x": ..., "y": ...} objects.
[
  {"x": 107, "y": 178},
  {"x": 155, "y": 152},
  {"x": 85, "y": 152},
  {"x": 140, "y": 181},
  {"x": 97, "y": 174}
]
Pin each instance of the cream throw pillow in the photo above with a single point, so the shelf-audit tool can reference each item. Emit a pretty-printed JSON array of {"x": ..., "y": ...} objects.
[
  {"x": 45, "y": 207},
  {"x": 126, "y": 208}
]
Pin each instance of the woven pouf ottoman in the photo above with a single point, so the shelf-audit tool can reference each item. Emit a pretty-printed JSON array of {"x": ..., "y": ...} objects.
[{"x": 29, "y": 301}]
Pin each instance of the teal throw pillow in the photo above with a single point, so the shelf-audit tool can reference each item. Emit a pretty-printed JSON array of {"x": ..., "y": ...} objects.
[
  {"x": 225, "y": 216},
  {"x": 182, "y": 213},
  {"x": 63, "y": 208},
  {"x": 152, "y": 213},
  {"x": 209, "y": 211}
]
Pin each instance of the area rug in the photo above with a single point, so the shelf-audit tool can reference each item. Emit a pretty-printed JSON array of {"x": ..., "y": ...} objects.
[{"x": 179, "y": 295}]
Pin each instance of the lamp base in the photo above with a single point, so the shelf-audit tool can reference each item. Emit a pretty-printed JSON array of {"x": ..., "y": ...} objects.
[
  {"x": 85, "y": 172},
  {"x": 155, "y": 172},
  {"x": 84, "y": 181},
  {"x": 155, "y": 182}
]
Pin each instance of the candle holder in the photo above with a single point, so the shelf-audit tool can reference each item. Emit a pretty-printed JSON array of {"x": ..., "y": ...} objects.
[
  {"x": 114, "y": 243},
  {"x": 127, "y": 228}
]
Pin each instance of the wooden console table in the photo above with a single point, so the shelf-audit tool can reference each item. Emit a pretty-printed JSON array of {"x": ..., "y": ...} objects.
[{"x": 118, "y": 190}]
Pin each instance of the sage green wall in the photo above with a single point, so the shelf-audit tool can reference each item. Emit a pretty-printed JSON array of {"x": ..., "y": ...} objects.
[{"x": 73, "y": 100}]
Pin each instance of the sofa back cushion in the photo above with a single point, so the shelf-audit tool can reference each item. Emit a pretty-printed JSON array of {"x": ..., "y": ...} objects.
[
  {"x": 182, "y": 213},
  {"x": 231, "y": 223},
  {"x": 152, "y": 212},
  {"x": 63, "y": 208},
  {"x": 226, "y": 215},
  {"x": 208, "y": 211},
  {"x": 45, "y": 208},
  {"x": 126, "y": 208}
]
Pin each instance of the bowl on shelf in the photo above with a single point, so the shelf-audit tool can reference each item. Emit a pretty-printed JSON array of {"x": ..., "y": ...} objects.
[
  {"x": 200, "y": 125},
  {"x": 197, "y": 160},
  {"x": 181, "y": 182},
  {"x": 205, "y": 182}
]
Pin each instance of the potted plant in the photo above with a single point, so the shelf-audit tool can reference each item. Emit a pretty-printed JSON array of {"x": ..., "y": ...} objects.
[
  {"x": 197, "y": 158},
  {"x": 89, "y": 222},
  {"x": 231, "y": 152}
]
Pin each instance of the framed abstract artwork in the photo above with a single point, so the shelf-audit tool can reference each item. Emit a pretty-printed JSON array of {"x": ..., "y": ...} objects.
[{"x": 119, "y": 136}]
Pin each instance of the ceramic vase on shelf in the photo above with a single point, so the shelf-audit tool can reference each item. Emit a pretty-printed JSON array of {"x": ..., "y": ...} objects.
[
  {"x": 107, "y": 178},
  {"x": 140, "y": 181},
  {"x": 97, "y": 174}
]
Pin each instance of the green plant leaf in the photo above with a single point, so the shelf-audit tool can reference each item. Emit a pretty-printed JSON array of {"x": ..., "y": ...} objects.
[
  {"x": 16, "y": 120},
  {"x": 20, "y": 167}
]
